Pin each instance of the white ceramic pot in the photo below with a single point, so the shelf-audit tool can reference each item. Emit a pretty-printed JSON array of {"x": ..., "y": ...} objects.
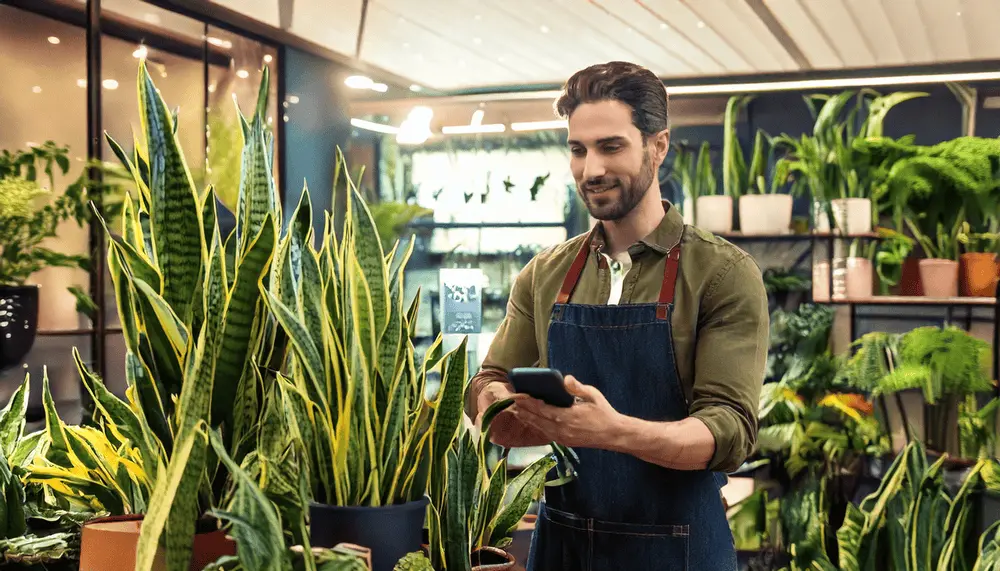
[
  {"x": 852, "y": 215},
  {"x": 687, "y": 209},
  {"x": 939, "y": 278},
  {"x": 715, "y": 214},
  {"x": 765, "y": 214},
  {"x": 860, "y": 278},
  {"x": 821, "y": 281},
  {"x": 821, "y": 222}
]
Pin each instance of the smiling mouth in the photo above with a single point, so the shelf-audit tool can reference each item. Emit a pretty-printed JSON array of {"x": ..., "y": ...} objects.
[{"x": 601, "y": 190}]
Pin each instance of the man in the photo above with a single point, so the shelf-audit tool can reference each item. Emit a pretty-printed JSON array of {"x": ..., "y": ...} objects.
[{"x": 661, "y": 331}]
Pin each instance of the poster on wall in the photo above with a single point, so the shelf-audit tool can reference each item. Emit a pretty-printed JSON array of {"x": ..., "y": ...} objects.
[{"x": 461, "y": 300}]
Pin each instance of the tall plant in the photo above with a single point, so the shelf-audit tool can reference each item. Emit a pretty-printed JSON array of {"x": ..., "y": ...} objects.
[{"x": 694, "y": 173}]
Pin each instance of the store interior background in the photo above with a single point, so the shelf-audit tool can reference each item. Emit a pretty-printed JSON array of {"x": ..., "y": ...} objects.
[{"x": 472, "y": 63}]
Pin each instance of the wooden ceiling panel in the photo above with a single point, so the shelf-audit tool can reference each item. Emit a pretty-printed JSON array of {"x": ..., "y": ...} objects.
[
  {"x": 875, "y": 26},
  {"x": 982, "y": 23},
  {"x": 945, "y": 25},
  {"x": 738, "y": 30},
  {"x": 802, "y": 28},
  {"x": 312, "y": 20},
  {"x": 607, "y": 26},
  {"x": 680, "y": 17},
  {"x": 910, "y": 28},
  {"x": 665, "y": 35},
  {"x": 841, "y": 31}
]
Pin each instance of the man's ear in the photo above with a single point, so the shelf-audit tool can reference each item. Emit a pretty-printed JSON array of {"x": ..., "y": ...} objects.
[{"x": 661, "y": 144}]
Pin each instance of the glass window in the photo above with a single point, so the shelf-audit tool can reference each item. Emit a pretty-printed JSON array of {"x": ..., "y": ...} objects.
[{"x": 40, "y": 100}]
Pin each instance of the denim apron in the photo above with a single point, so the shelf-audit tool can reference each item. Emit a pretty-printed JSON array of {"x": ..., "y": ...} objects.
[{"x": 621, "y": 512}]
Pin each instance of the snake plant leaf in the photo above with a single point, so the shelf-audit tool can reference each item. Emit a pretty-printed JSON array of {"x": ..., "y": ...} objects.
[
  {"x": 27, "y": 448},
  {"x": 174, "y": 507},
  {"x": 241, "y": 308},
  {"x": 58, "y": 451},
  {"x": 849, "y": 539},
  {"x": 174, "y": 208},
  {"x": 138, "y": 170},
  {"x": 880, "y": 107},
  {"x": 521, "y": 491},
  {"x": 253, "y": 522},
  {"x": 166, "y": 335},
  {"x": 492, "y": 412},
  {"x": 489, "y": 504},
  {"x": 456, "y": 537},
  {"x": 137, "y": 263},
  {"x": 450, "y": 406},
  {"x": 149, "y": 397},
  {"x": 131, "y": 229},
  {"x": 258, "y": 194},
  {"x": 308, "y": 353},
  {"x": 12, "y": 419},
  {"x": 116, "y": 415},
  {"x": 311, "y": 297},
  {"x": 391, "y": 342},
  {"x": 368, "y": 252},
  {"x": 12, "y": 500}
]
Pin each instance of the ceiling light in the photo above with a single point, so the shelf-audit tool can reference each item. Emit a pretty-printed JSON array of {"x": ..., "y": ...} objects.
[
  {"x": 110, "y": 84},
  {"x": 81, "y": 83},
  {"x": 140, "y": 53},
  {"x": 544, "y": 29},
  {"x": 470, "y": 129},
  {"x": 701, "y": 24},
  {"x": 219, "y": 42},
  {"x": 293, "y": 99},
  {"x": 538, "y": 125},
  {"x": 242, "y": 74},
  {"x": 359, "y": 82},
  {"x": 31, "y": 144},
  {"x": 663, "y": 26},
  {"x": 477, "y": 41},
  {"x": 211, "y": 88},
  {"x": 377, "y": 127},
  {"x": 417, "y": 127},
  {"x": 415, "y": 88},
  {"x": 478, "y": 17},
  {"x": 36, "y": 89},
  {"x": 268, "y": 58},
  {"x": 53, "y": 40},
  {"x": 477, "y": 117},
  {"x": 380, "y": 87}
]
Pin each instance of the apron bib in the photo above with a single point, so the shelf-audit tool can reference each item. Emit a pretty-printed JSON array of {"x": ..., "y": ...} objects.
[{"x": 621, "y": 512}]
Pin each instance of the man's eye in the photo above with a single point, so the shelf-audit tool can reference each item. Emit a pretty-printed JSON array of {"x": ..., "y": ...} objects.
[
  {"x": 578, "y": 151},
  {"x": 612, "y": 148}
]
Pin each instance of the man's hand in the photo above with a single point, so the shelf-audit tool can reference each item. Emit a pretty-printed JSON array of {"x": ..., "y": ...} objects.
[
  {"x": 506, "y": 430},
  {"x": 590, "y": 423}
]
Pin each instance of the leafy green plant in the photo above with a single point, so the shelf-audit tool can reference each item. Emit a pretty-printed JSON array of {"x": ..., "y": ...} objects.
[
  {"x": 694, "y": 173},
  {"x": 783, "y": 281},
  {"x": 943, "y": 243},
  {"x": 754, "y": 521},
  {"x": 892, "y": 250},
  {"x": 739, "y": 177},
  {"x": 977, "y": 427},
  {"x": 826, "y": 161},
  {"x": 28, "y": 216},
  {"x": 979, "y": 242}
]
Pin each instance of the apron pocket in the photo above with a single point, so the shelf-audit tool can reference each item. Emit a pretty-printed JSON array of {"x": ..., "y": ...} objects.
[
  {"x": 637, "y": 546},
  {"x": 559, "y": 542}
]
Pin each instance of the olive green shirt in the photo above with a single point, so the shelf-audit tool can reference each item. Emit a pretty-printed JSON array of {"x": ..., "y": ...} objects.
[{"x": 720, "y": 323}]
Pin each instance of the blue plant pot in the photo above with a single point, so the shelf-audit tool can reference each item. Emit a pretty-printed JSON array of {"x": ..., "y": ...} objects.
[{"x": 389, "y": 531}]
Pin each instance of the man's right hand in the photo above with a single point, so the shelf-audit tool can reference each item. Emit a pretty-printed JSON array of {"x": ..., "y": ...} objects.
[{"x": 506, "y": 430}]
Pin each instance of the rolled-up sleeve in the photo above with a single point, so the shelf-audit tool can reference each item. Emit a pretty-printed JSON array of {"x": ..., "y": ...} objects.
[
  {"x": 514, "y": 344},
  {"x": 730, "y": 359}
]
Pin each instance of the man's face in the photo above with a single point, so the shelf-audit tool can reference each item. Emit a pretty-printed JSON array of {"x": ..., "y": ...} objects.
[{"x": 612, "y": 167}]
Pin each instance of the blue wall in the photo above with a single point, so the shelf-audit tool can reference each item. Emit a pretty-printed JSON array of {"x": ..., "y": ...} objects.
[{"x": 316, "y": 126}]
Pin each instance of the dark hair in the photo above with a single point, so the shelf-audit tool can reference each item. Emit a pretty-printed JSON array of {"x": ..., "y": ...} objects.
[{"x": 621, "y": 81}]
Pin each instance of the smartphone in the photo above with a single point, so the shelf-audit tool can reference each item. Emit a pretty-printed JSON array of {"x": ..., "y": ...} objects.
[{"x": 546, "y": 385}]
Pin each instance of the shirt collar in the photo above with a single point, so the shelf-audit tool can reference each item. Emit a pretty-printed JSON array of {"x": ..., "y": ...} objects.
[{"x": 665, "y": 236}]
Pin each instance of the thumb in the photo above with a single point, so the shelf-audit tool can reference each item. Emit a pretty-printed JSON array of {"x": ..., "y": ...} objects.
[{"x": 578, "y": 389}]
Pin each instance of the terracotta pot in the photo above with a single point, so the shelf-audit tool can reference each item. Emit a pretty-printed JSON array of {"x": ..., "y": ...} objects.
[
  {"x": 714, "y": 214},
  {"x": 492, "y": 559},
  {"x": 765, "y": 214},
  {"x": 939, "y": 277},
  {"x": 110, "y": 543},
  {"x": 909, "y": 281},
  {"x": 860, "y": 278},
  {"x": 979, "y": 273}
]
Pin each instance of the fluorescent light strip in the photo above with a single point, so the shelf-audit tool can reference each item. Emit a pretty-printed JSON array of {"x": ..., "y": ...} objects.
[
  {"x": 538, "y": 125},
  {"x": 470, "y": 129},
  {"x": 832, "y": 83},
  {"x": 377, "y": 127}
]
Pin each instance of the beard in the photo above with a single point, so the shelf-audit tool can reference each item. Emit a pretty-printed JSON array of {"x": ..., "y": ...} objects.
[{"x": 613, "y": 197}]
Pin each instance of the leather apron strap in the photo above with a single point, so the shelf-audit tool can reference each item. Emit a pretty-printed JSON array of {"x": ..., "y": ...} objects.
[{"x": 669, "y": 285}]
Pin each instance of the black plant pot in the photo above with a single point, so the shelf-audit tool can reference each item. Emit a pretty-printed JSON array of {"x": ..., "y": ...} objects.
[
  {"x": 390, "y": 531},
  {"x": 18, "y": 323}
]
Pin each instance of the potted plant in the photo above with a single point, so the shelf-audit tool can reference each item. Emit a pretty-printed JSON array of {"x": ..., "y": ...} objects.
[
  {"x": 703, "y": 207},
  {"x": 939, "y": 269},
  {"x": 892, "y": 252},
  {"x": 28, "y": 217},
  {"x": 978, "y": 264},
  {"x": 837, "y": 175},
  {"x": 379, "y": 438}
]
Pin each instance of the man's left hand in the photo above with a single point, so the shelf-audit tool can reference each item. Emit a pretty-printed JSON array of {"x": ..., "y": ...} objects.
[{"x": 590, "y": 423}]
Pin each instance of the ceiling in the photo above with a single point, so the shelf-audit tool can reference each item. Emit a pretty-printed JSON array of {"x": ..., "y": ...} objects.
[{"x": 465, "y": 44}]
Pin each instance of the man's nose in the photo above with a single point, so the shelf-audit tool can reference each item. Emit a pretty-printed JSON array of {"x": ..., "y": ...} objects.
[{"x": 594, "y": 168}]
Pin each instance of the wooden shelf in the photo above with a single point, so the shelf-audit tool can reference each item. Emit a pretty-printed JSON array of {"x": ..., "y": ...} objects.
[
  {"x": 911, "y": 300},
  {"x": 796, "y": 237}
]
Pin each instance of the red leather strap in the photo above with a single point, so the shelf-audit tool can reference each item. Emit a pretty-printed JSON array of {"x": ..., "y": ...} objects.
[
  {"x": 575, "y": 271},
  {"x": 670, "y": 268}
]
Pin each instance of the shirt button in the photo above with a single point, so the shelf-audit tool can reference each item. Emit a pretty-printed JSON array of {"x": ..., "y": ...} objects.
[{"x": 616, "y": 266}]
